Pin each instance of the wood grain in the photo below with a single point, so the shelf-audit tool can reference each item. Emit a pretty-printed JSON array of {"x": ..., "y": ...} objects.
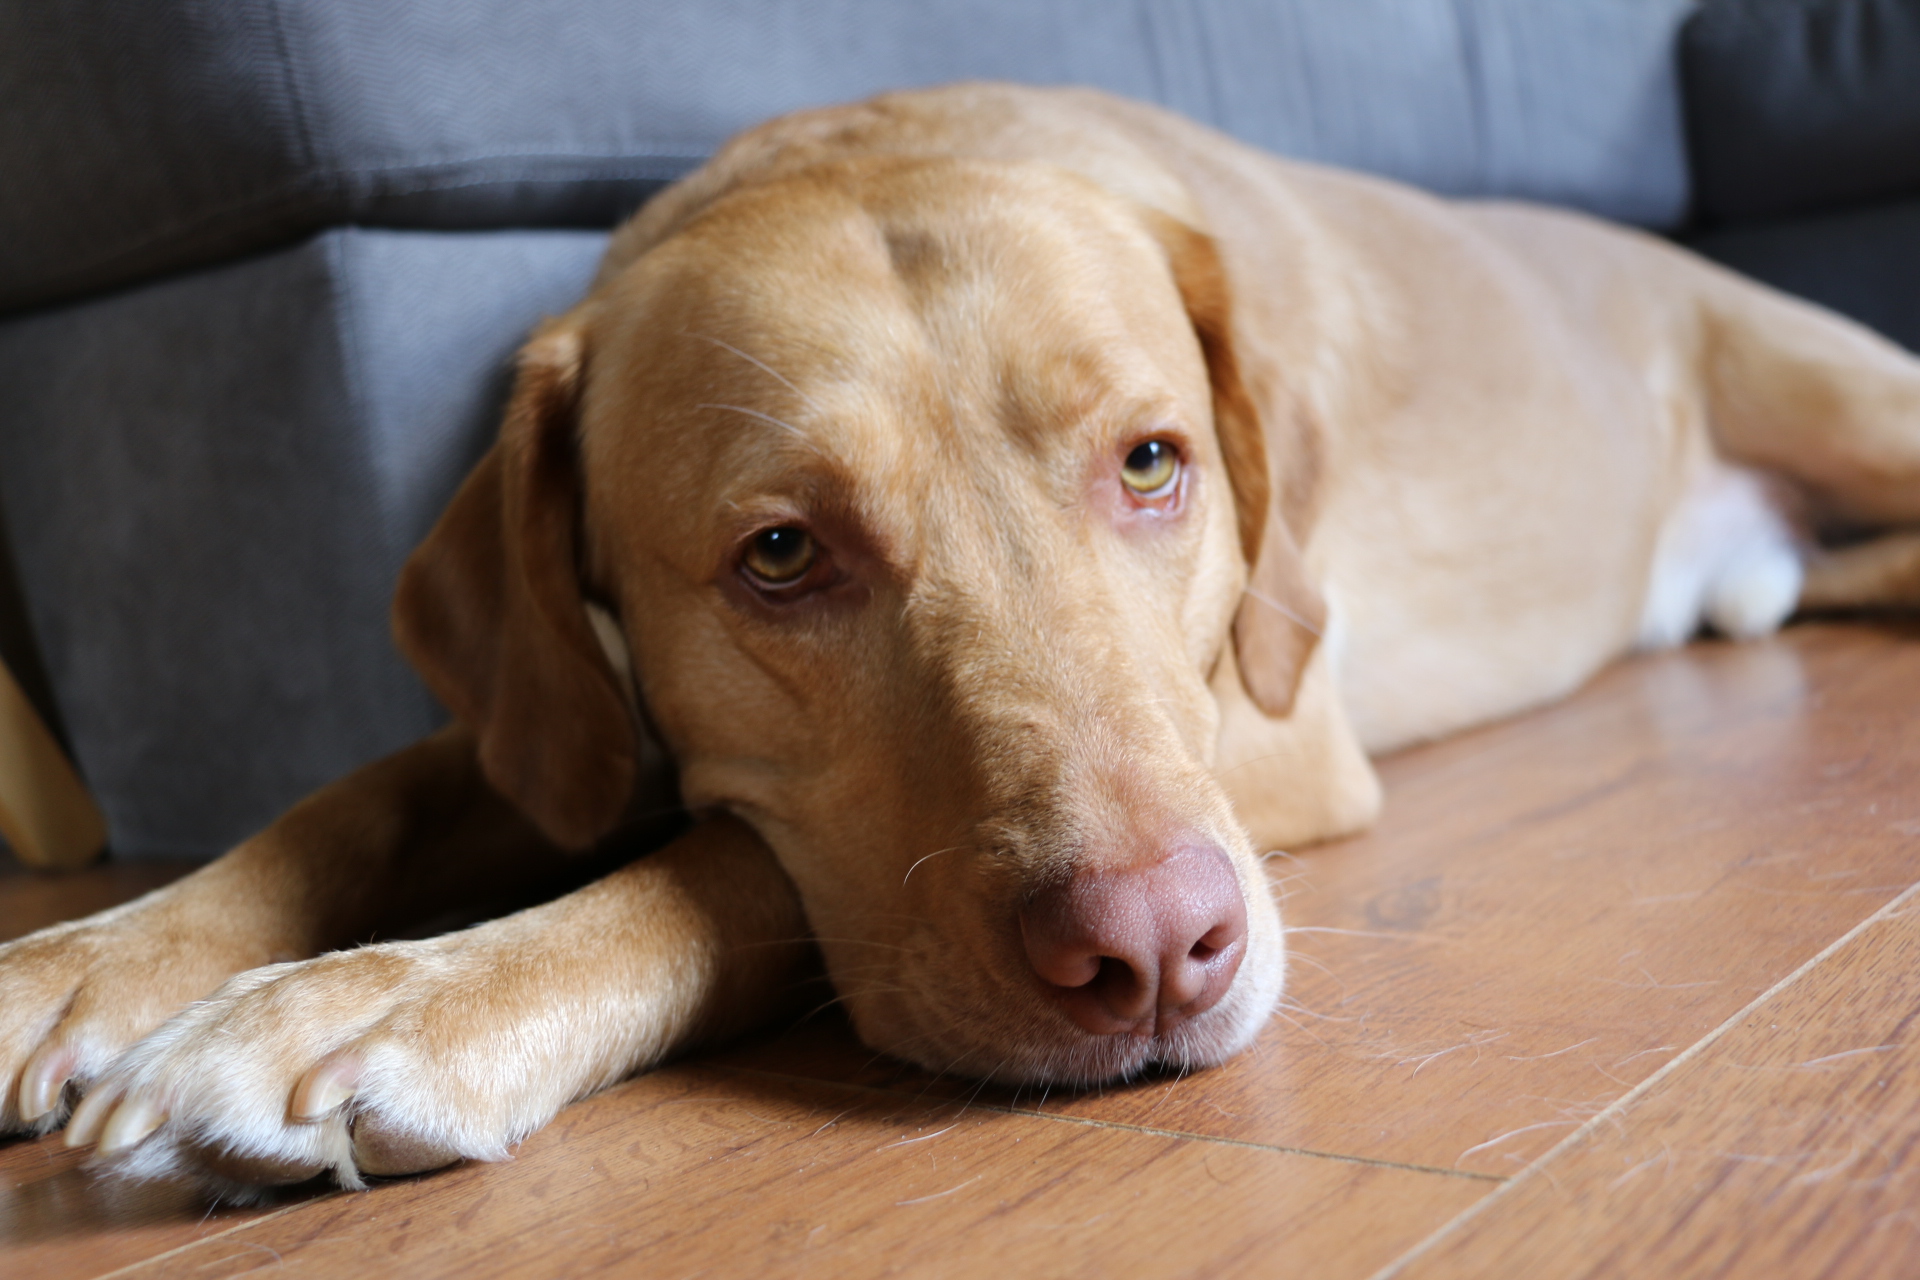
[
  {"x": 702, "y": 1171},
  {"x": 1555, "y": 906},
  {"x": 58, "y": 1220},
  {"x": 1789, "y": 1145}
]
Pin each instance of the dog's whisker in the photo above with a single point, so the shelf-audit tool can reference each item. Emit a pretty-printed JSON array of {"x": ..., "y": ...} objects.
[
  {"x": 952, "y": 848},
  {"x": 764, "y": 367},
  {"x": 763, "y": 417},
  {"x": 1315, "y": 961},
  {"x": 1283, "y": 611},
  {"x": 844, "y": 996},
  {"x": 864, "y": 942}
]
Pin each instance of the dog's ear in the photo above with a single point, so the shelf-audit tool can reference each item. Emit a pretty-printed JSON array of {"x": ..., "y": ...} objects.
[
  {"x": 490, "y": 611},
  {"x": 1282, "y": 615}
]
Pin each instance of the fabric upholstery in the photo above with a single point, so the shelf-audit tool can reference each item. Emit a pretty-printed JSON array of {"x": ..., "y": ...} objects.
[
  {"x": 172, "y": 133},
  {"x": 1798, "y": 105},
  {"x": 210, "y": 484}
]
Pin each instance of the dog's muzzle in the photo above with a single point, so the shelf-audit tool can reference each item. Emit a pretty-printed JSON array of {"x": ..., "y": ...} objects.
[{"x": 1141, "y": 950}]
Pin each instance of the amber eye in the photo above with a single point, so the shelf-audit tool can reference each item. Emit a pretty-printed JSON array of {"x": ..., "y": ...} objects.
[
  {"x": 781, "y": 556},
  {"x": 1151, "y": 468}
]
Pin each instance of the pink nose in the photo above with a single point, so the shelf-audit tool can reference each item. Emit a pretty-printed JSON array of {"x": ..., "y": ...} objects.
[{"x": 1141, "y": 950}]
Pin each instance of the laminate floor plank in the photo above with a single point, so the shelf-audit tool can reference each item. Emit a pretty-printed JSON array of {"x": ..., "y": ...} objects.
[
  {"x": 1553, "y": 907},
  {"x": 701, "y": 1171},
  {"x": 1787, "y": 1146},
  {"x": 57, "y": 1220}
]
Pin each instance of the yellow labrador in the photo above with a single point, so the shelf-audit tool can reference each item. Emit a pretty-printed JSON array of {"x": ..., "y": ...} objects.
[{"x": 1003, "y": 514}]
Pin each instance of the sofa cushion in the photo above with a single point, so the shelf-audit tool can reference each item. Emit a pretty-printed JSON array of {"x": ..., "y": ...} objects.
[
  {"x": 210, "y": 483},
  {"x": 1797, "y": 105},
  {"x": 1863, "y": 263},
  {"x": 170, "y": 133}
]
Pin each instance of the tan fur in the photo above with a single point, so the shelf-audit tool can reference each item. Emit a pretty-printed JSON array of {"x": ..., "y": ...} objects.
[{"x": 1430, "y": 452}]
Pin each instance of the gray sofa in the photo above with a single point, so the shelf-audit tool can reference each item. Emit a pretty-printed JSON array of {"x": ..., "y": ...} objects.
[{"x": 263, "y": 263}]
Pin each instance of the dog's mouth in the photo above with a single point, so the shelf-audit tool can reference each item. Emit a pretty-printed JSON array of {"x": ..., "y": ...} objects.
[{"x": 950, "y": 1034}]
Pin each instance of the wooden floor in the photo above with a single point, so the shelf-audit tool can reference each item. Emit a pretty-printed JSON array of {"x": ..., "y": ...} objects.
[{"x": 1630, "y": 987}]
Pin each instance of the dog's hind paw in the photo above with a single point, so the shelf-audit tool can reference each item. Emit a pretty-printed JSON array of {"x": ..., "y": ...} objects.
[{"x": 1756, "y": 590}]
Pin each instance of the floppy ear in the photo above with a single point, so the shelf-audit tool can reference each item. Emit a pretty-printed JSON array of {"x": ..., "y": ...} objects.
[
  {"x": 490, "y": 612},
  {"x": 1282, "y": 614}
]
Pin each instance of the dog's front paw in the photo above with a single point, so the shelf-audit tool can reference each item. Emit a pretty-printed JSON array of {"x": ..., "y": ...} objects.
[
  {"x": 75, "y": 996},
  {"x": 387, "y": 1059}
]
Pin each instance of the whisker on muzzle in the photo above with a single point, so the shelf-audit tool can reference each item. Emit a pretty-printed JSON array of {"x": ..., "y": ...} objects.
[{"x": 954, "y": 848}]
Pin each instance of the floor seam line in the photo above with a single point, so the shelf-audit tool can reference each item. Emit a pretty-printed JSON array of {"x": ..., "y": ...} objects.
[
  {"x": 1625, "y": 1101},
  {"x": 1003, "y": 1109}
]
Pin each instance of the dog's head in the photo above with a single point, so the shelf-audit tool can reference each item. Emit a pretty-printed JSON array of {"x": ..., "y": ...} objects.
[{"x": 924, "y": 494}]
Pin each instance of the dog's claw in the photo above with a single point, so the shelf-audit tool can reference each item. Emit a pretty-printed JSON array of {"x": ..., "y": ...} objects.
[
  {"x": 43, "y": 1081},
  {"x": 325, "y": 1088},
  {"x": 83, "y": 1127},
  {"x": 132, "y": 1122}
]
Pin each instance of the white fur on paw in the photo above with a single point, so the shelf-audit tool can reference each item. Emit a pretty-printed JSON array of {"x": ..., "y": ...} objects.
[
  {"x": 1725, "y": 557},
  {"x": 1755, "y": 591},
  {"x": 432, "y": 1081}
]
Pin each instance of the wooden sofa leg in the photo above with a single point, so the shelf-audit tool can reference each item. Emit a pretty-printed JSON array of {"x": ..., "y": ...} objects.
[{"x": 45, "y": 811}]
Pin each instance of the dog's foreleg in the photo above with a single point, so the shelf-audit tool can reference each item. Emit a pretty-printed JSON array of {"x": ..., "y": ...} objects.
[
  {"x": 406, "y": 1056},
  {"x": 367, "y": 854}
]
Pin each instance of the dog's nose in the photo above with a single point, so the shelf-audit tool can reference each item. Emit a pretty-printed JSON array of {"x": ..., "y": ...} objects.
[{"x": 1141, "y": 950}]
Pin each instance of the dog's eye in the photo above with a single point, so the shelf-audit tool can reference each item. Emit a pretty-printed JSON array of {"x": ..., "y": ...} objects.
[
  {"x": 781, "y": 556},
  {"x": 1151, "y": 468}
]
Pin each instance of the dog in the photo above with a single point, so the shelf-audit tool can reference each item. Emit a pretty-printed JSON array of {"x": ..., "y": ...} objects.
[{"x": 998, "y": 516}]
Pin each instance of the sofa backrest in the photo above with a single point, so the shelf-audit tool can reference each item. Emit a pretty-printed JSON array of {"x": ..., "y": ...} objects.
[{"x": 143, "y": 138}]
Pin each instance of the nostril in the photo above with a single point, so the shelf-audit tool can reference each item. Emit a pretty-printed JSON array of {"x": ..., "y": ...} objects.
[
  {"x": 1140, "y": 949},
  {"x": 1223, "y": 934},
  {"x": 1119, "y": 986}
]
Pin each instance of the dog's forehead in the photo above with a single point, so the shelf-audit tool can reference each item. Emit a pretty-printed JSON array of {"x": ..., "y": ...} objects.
[{"x": 824, "y": 324}]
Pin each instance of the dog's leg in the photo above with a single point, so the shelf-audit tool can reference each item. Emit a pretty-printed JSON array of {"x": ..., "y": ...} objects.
[
  {"x": 368, "y": 854},
  {"x": 406, "y": 1056},
  {"x": 1881, "y": 574}
]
